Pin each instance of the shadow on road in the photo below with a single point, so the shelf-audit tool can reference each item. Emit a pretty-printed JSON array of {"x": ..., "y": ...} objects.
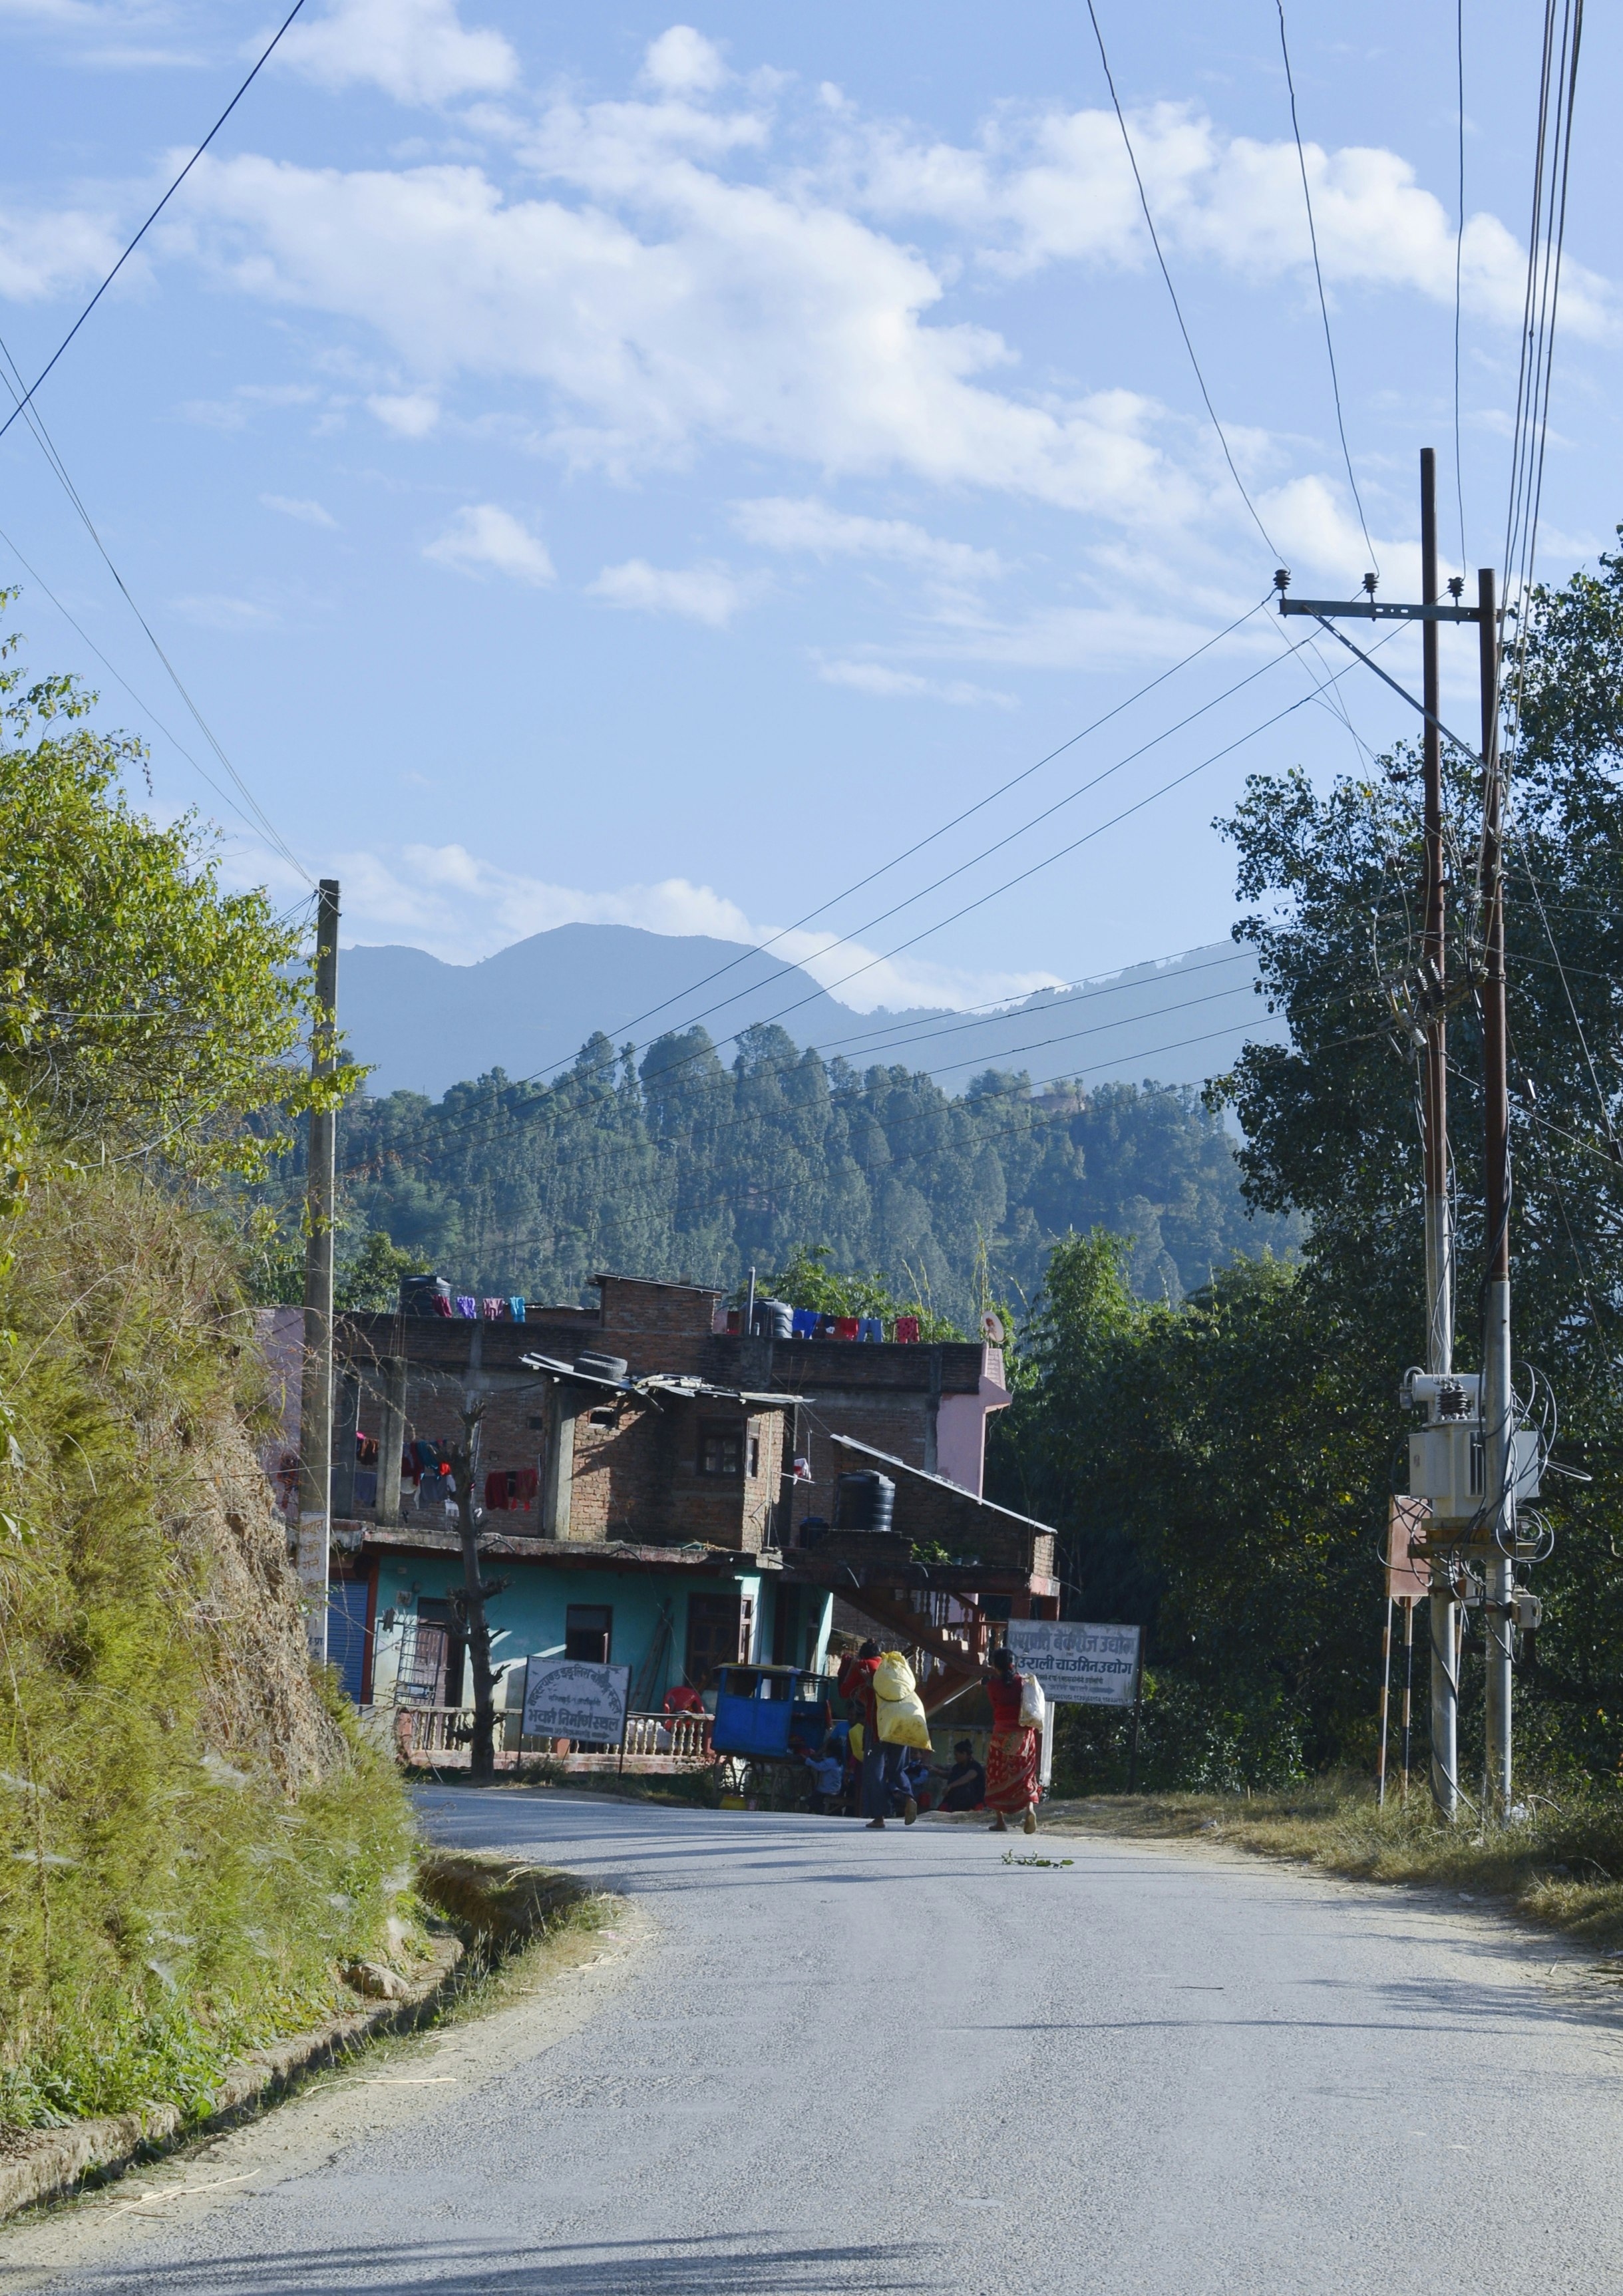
[{"x": 758, "y": 2265}]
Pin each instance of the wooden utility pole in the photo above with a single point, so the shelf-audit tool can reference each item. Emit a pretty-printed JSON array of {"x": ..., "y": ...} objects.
[
  {"x": 475, "y": 1592},
  {"x": 1498, "y": 1399},
  {"x": 1442, "y": 1605},
  {"x": 315, "y": 1396}
]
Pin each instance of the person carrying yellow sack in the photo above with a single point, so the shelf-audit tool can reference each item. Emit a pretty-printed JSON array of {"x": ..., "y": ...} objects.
[{"x": 895, "y": 1719}]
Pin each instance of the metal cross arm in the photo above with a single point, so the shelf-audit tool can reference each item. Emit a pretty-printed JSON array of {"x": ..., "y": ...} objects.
[
  {"x": 1369, "y": 610},
  {"x": 1304, "y": 606}
]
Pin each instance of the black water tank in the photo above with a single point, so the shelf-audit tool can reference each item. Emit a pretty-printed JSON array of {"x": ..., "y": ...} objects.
[
  {"x": 864, "y": 1501},
  {"x": 775, "y": 1319},
  {"x": 604, "y": 1366},
  {"x": 419, "y": 1292}
]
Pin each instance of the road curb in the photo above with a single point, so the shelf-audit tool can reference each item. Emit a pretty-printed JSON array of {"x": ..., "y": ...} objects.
[
  {"x": 50, "y": 2162},
  {"x": 500, "y": 1901}
]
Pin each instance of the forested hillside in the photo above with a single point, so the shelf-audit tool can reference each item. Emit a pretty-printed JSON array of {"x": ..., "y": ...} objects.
[{"x": 684, "y": 1167}]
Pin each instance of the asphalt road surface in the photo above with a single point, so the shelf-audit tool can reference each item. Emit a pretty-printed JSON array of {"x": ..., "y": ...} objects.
[{"x": 820, "y": 2062}]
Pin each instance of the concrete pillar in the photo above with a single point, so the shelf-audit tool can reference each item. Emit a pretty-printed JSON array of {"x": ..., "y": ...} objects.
[{"x": 391, "y": 1438}]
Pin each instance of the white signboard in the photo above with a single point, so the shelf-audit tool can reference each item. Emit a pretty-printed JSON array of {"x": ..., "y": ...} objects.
[
  {"x": 566, "y": 1698},
  {"x": 1076, "y": 1665}
]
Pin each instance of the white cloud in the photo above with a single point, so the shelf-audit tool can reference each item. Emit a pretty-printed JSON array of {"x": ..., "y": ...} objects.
[
  {"x": 1051, "y": 186},
  {"x": 770, "y": 322},
  {"x": 417, "y": 51},
  {"x": 310, "y": 514},
  {"x": 462, "y": 908},
  {"x": 482, "y": 535},
  {"x": 778, "y": 523},
  {"x": 702, "y": 594},
  {"x": 43, "y": 255},
  {"x": 684, "y": 63},
  {"x": 906, "y": 685},
  {"x": 411, "y": 416}
]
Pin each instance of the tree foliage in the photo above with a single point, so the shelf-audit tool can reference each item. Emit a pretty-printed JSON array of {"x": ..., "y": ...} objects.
[
  {"x": 685, "y": 1166},
  {"x": 144, "y": 1009}
]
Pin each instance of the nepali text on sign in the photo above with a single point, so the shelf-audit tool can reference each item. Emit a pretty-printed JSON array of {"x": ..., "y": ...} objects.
[
  {"x": 565, "y": 1698},
  {"x": 1076, "y": 1665}
]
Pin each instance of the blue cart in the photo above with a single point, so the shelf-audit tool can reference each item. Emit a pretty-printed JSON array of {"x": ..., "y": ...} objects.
[{"x": 759, "y": 1710}]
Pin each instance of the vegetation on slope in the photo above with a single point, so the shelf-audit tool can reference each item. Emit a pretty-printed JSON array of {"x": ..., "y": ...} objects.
[{"x": 191, "y": 1836}]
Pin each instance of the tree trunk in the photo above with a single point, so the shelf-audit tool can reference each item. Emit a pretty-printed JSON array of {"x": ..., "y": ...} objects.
[{"x": 475, "y": 1589}]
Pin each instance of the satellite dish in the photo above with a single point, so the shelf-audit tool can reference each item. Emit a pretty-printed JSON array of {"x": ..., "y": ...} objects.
[{"x": 991, "y": 1329}]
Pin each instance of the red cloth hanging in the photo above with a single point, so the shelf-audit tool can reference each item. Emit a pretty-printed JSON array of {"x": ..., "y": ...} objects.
[
  {"x": 908, "y": 1329},
  {"x": 846, "y": 1327}
]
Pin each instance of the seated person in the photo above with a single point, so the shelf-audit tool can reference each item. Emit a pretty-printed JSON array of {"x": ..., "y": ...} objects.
[
  {"x": 684, "y": 1700},
  {"x": 827, "y": 1772},
  {"x": 966, "y": 1781}
]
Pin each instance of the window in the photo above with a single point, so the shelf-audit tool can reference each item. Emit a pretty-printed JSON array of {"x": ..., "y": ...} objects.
[
  {"x": 589, "y": 1631},
  {"x": 721, "y": 1451},
  {"x": 754, "y": 1455},
  {"x": 602, "y": 1418}
]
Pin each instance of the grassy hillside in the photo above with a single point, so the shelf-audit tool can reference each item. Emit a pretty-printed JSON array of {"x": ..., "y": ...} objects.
[{"x": 191, "y": 1836}]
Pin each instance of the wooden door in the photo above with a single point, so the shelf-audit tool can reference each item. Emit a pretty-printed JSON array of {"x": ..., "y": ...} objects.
[{"x": 715, "y": 1635}]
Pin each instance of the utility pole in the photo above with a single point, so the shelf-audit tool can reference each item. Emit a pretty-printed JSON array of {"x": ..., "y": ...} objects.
[
  {"x": 315, "y": 1397},
  {"x": 1470, "y": 1419},
  {"x": 1498, "y": 1401},
  {"x": 1442, "y": 1604}
]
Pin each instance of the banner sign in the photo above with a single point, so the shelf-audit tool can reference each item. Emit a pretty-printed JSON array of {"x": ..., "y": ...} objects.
[
  {"x": 566, "y": 1698},
  {"x": 1076, "y": 1665}
]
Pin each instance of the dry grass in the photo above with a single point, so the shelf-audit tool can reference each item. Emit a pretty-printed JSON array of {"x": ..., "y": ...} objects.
[{"x": 1561, "y": 1865}]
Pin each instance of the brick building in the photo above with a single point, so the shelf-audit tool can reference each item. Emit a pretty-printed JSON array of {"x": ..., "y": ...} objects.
[{"x": 660, "y": 1492}]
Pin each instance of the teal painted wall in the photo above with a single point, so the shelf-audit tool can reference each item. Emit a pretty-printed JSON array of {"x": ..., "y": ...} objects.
[{"x": 528, "y": 1614}]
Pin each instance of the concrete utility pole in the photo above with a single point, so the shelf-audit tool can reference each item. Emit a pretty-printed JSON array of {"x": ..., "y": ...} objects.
[
  {"x": 1498, "y": 1400},
  {"x": 1443, "y": 1605},
  {"x": 316, "y": 1398}
]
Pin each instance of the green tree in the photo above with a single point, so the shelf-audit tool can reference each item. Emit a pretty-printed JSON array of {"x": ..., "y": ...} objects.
[{"x": 144, "y": 1009}]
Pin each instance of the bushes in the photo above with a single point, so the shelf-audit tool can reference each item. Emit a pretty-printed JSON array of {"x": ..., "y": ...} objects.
[{"x": 191, "y": 1833}]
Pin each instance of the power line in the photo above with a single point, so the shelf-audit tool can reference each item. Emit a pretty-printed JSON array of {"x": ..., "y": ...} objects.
[
  {"x": 47, "y": 447},
  {"x": 986, "y": 851},
  {"x": 1459, "y": 256},
  {"x": 28, "y": 396},
  {"x": 1064, "y": 851},
  {"x": 1313, "y": 240},
  {"x": 760, "y": 948},
  {"x": 1143, "y": 202}
]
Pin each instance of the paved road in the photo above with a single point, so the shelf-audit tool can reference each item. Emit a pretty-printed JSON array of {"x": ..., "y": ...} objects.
[{"x": 836, "y": 2063}]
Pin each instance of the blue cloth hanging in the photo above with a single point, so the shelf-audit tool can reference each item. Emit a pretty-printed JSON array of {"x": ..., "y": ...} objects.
[
  {"x": 515, "y": 1308},
  {"x": 804, "y": 1323},
  {"x": 871, "y": 1328},
  {"x": 467, "y": 1305}
]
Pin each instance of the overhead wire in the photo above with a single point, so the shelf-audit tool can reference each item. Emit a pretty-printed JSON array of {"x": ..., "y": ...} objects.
[
  {"x": 698, "y": 1052},
  {"x": 256, "y": 819},
  {"x": 1313, "y": 240},
  {"x": 1177, "y": 308},
  {"x": 693, "y": 1019},
  {"x": 264, "y": 56},
  {"x": 1459, "y": 259},
  {"x": 1023, "y": 876},
  {"x": 992, "y": 797}
]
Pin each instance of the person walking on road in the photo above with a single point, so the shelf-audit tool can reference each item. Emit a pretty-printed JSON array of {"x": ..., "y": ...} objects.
[
  {"x": 1012, "y": 1756},
  {"x": 882, "y": 1762}
]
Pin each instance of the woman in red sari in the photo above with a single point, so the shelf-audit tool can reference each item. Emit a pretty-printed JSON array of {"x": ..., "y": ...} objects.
[{"x": 1012, "y": 1756}]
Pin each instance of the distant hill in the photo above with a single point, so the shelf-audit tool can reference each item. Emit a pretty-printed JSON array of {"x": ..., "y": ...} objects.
[{"x": 425, "y": 1025}]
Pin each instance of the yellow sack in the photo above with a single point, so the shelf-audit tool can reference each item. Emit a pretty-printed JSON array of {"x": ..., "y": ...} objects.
[
  {"x": 857, "y": 1741},
  {"x": 899, "y": 1709}
]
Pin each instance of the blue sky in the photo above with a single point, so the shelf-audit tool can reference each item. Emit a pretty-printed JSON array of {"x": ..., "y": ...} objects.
[{"x": 598, "y": 464}]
